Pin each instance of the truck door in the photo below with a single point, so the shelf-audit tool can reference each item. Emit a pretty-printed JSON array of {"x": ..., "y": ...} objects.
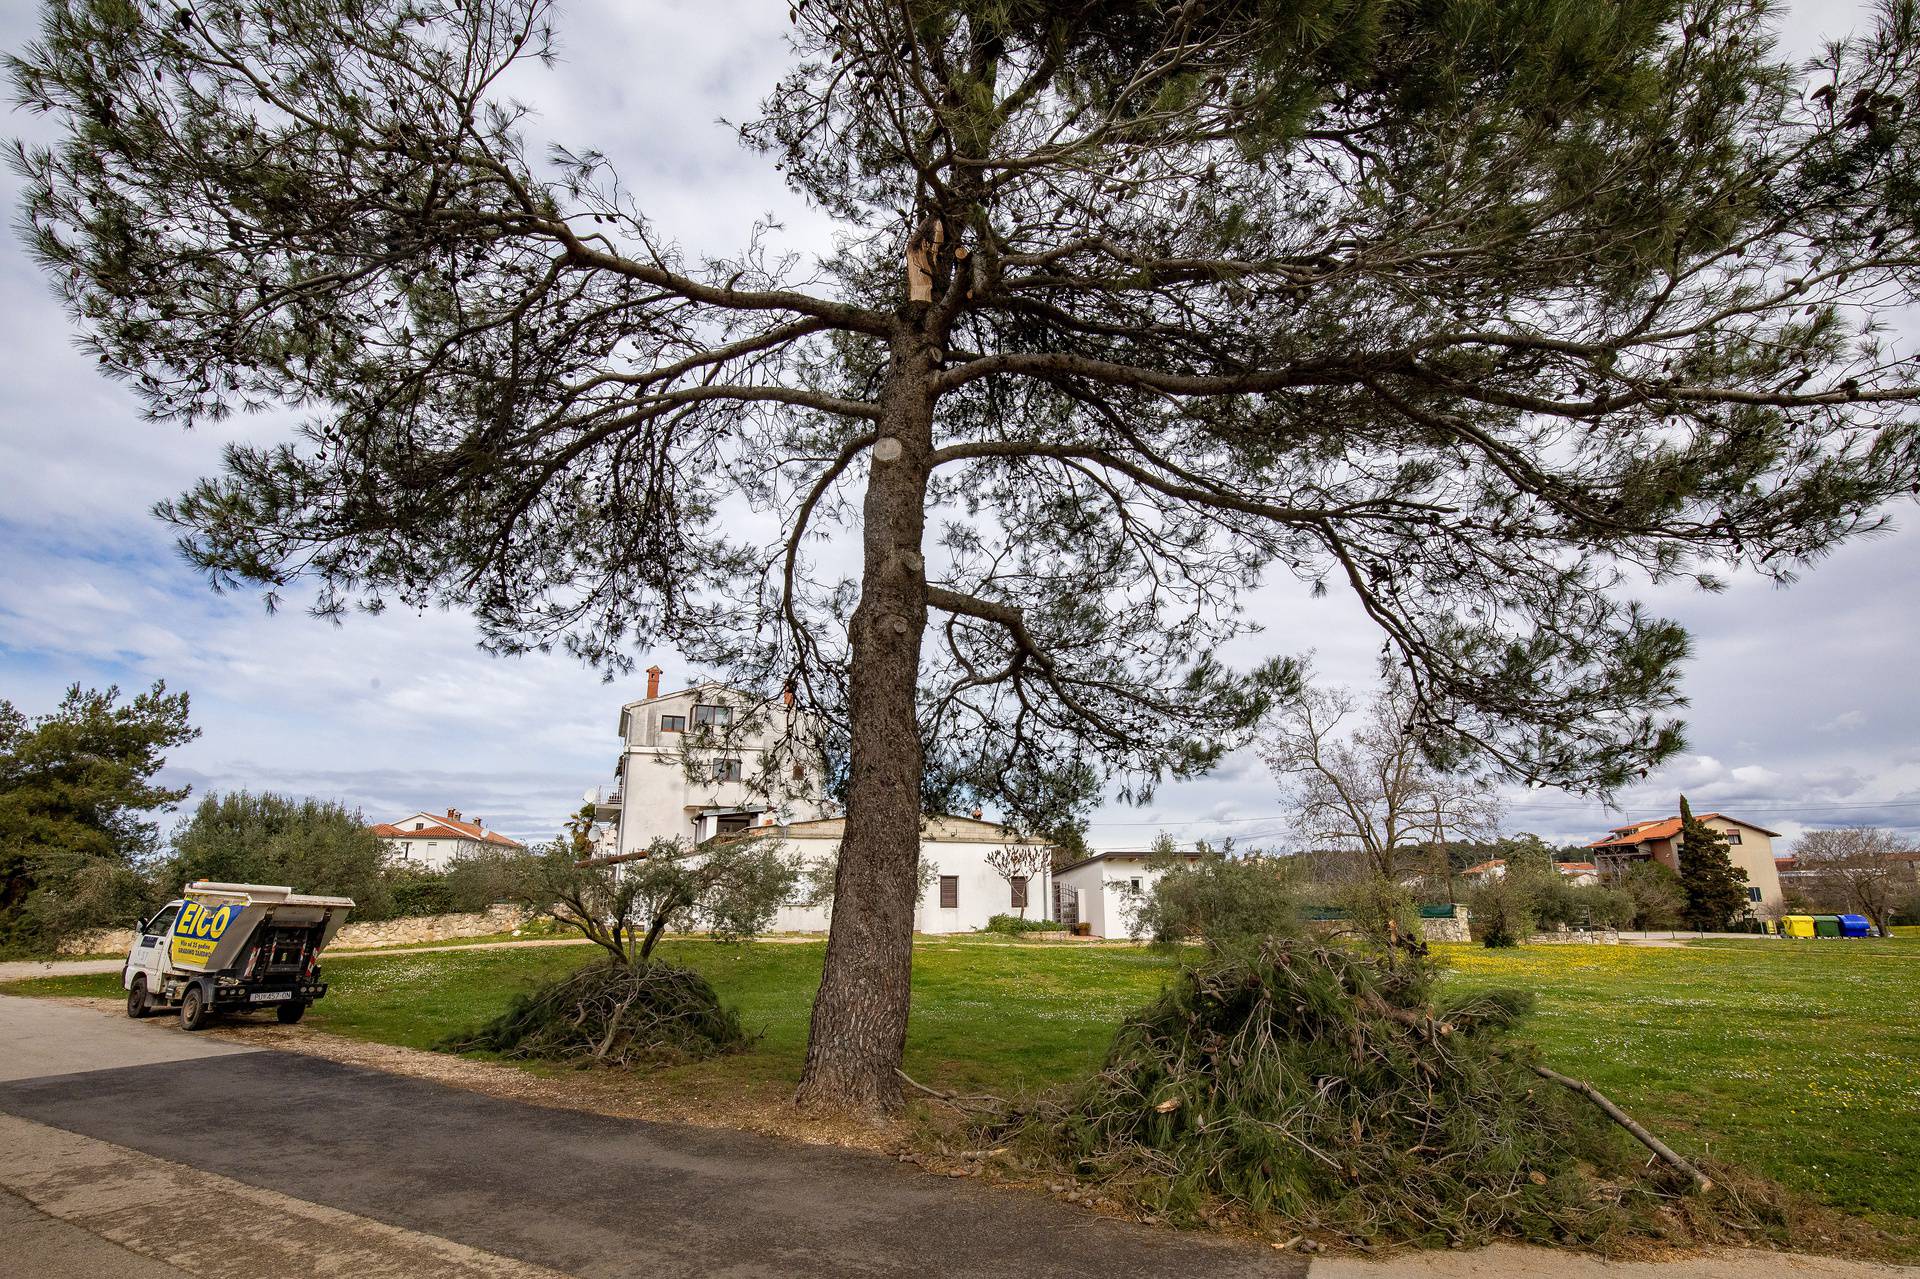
[{"x": 150, "y": 948}]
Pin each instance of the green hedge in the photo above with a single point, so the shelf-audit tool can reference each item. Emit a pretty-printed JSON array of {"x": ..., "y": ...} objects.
[{"x": 1013, "y": 925}]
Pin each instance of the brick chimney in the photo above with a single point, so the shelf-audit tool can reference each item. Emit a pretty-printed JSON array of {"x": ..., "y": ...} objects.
[
  {"x": 453, "y": 814},
  {"x": 653, "y": 682}
]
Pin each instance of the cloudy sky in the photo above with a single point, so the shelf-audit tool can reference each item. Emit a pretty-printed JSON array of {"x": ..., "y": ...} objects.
[{"x": 1803, "y": 701}]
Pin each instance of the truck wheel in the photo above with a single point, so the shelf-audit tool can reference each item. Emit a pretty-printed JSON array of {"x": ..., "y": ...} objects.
[
  {"x": 194, "y": 1012},
  {"x": 291, "y": 1011},
  {"x": 138, "y": 1004}
]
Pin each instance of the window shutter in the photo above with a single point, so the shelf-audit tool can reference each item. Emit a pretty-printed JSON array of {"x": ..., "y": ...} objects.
[
  {"x": 949, "y": 892},
  {"x": 1019, "y": 883}
]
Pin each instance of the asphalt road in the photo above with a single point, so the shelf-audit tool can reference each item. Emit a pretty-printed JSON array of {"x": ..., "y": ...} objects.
[
  {"x": 347, "y": 1158},
  {"x": 136, "y": 1151}
]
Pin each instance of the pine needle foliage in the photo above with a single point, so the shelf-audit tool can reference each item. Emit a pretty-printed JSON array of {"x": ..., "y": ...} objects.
[
  {"x": 1319, "y": 1087},
  {"x": 613, "y": 1014}
]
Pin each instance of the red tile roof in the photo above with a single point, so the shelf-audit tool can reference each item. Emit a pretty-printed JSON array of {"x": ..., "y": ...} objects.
[
  {"x": 1662, "y": 828},
  {"x": 447, "y": 828}
]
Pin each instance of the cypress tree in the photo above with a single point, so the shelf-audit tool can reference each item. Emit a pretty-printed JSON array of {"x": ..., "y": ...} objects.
[{"x": 1716, "y": 888}]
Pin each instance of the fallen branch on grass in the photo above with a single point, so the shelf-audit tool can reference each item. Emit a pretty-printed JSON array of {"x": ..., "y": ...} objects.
[
  {"x": 981, "y": 1103},
  {"x": 1701, "y": 1182}
]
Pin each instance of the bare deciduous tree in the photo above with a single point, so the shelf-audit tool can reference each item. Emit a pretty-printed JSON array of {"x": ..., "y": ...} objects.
[
  {"x": 1020, "y": 862},
  {"x": 1866, "y": 868},
  {"x": 1359, "y": 782}
]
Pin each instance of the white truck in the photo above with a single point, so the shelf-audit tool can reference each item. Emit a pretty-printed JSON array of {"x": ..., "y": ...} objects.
[{"x": 232, "y": 948}]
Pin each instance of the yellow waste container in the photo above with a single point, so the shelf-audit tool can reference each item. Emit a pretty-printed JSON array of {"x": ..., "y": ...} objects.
[{"x": 1797, "y": 925}]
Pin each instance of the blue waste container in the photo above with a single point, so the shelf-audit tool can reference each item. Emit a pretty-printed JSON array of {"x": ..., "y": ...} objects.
[{"x": 1855, "y": 926}]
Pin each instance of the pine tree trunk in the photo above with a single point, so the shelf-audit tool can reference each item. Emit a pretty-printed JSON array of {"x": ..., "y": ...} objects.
[{"x": 859, "y": 1027}]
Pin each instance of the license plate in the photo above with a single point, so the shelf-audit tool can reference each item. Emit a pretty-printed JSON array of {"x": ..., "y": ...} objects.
[{"x": 269, "y": 996}]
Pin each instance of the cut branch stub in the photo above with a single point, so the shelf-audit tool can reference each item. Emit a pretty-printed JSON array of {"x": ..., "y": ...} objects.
[{"x": 922, "y": 251}]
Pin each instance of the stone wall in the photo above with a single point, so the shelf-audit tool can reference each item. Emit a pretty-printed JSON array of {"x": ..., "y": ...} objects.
[
  {"x": 99, "y": 941},
  {"x": 1446, "y": 929},
  {"x": 385, "y": 932},
  {"x": 420, "y": 928},
  {"x": 1564, "y": 936}
]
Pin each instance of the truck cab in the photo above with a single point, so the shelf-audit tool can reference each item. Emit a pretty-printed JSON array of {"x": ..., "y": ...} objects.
[{"x": 232, "y": 948}]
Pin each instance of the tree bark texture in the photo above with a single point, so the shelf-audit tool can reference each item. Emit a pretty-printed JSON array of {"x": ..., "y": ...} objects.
[{"x": 859, "y": 1026}]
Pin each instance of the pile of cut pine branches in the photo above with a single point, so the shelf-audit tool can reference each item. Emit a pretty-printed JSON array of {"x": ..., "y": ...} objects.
[
  {"x": 614, "y": 1014},
  {"x": 1323, "y": 1087}
]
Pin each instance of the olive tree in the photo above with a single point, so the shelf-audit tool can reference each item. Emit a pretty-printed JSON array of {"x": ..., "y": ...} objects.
[
  {"x": 1469, "y": 311},
  {"x": 625, "y": 904}
]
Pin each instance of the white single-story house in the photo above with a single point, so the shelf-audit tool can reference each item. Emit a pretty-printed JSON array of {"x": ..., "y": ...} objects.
[
  {"x": 964, "y": 891},
  {"x": 431, "y": 840},
  {"x": 1579, "y": 874},
  {"x": 1102, "y": 890}
]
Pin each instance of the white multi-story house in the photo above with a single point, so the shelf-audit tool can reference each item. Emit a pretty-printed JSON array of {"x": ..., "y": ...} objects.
[
  {"x": 709, "y": 761},
  {"x": 431, "y": 840}
]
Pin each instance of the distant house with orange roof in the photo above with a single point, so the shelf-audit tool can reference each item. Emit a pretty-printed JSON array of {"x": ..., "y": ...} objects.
[
  {"x": 1579, "y": 874},
  {"x": 1749, "y": 847},
  {"x": 431, "y": 840}
]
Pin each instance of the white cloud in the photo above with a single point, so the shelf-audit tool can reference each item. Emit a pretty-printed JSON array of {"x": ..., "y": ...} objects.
[{"x": 1844, "y": 722}]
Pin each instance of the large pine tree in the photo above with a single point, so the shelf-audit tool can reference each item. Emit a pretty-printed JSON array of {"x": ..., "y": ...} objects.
[
  {"x": 1472, "y": 311},
  {"x": 1716, "y": 888}
]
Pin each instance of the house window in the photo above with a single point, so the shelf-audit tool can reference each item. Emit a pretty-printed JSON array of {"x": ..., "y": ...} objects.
[
  {"x": 727, "y": 770},
  {"x": 734, "y": 823},
  {"x": 1134, "y": 885},
  {"x": 1753, "y": 894},
  {"x": 673, "y": 723},
  {"x": 406, "y": 850},
  {"x": 712, "y": 716},
  {"x": 949, "y": 892},
  {"x": 1019, "y": 885},
  {"x": 419, "y": 825},
  {"x": 1733, "y": 836}
]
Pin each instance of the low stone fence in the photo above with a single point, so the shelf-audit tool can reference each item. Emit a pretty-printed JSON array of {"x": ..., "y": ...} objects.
[
  {"x": 1564, "y": 936},
  {"x": 1432, "y": 927},
  {"x": 99, "y": 941},
  {"x": 384, "y": 932},
  {"x": 1446, "y": 927},
  {"x": 422, "y": 928}
]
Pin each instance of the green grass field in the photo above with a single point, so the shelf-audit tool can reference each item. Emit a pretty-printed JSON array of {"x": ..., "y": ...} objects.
[{"x": 1799, "y": 1060}]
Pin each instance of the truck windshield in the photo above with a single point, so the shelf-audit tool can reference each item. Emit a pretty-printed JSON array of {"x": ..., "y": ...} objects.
[{"x": 159, "y": 924}]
